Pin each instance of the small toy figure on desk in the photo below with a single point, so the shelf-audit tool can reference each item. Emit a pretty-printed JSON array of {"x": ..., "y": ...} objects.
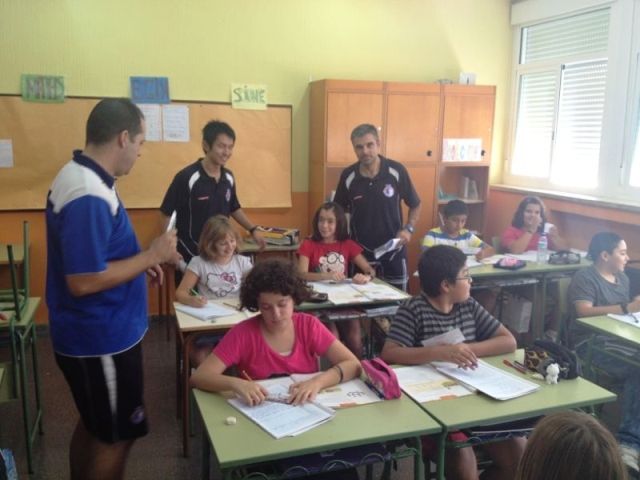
[
  {"x": 551, "y": 373},
  {"x": 553, "y": 370}
]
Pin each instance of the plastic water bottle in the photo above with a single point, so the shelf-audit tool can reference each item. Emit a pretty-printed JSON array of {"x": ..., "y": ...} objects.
[{"x": 543, "y": 245}]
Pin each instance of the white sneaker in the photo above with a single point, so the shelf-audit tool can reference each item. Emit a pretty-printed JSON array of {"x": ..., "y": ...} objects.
[{"x": 630, "y": 457}]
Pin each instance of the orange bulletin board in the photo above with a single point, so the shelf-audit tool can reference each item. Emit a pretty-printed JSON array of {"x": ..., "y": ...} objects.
[{"x": 44, "y": 136}]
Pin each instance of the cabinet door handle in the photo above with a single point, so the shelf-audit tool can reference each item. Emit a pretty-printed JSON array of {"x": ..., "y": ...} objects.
[
  {"x": 428, "y": 153},
  {"x": 482, "y": 153}
]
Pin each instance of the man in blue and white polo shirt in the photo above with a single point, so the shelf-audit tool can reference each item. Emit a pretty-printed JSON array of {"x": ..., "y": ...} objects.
[{"x": 96, "y": 290}]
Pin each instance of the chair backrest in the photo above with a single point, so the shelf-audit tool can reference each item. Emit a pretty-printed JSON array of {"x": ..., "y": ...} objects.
[
  {"x": 26, "y": 262},
  {"x": 19, "y": 294},
  {"x": 18, "y": 302}
]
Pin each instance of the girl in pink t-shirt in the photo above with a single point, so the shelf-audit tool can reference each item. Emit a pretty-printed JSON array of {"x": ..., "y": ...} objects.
[
  {"x": 529, "y": 222},
  {"x": 276, "y": 342},
  {"x": 326, "y": 255}
]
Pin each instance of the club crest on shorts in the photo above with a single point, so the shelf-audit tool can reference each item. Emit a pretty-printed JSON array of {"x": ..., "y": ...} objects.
[
  {"x": 388, "y": 190},
  {"x": 137, "y": 416}
]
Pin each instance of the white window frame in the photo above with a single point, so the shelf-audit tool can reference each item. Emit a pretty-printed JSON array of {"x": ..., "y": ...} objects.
[{"x": 622, "y": 95}]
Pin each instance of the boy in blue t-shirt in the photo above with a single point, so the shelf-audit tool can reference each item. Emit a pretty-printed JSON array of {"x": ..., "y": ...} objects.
[{"x": 454, "y": 234}]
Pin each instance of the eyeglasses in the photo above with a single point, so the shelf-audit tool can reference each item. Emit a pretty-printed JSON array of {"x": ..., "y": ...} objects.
[{"x": 466, "y": 277}]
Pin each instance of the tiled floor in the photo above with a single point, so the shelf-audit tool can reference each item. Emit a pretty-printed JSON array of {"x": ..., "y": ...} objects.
[{"x": 157, "y": 456}]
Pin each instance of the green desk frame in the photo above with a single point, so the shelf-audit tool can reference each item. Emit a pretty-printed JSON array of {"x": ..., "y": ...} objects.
[
  {"x": 188, "y": 328},
  {"x": 542, "y": 273},
  {"x": 246, "y": 443},
  {"x": 478, "y": 409},
  {"x": 612, "y": 328}
]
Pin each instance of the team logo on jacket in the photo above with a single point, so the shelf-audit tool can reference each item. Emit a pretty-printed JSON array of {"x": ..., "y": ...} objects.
[
  {"x": 228, "y": 195},
  {"x": 388, "y": 190}
]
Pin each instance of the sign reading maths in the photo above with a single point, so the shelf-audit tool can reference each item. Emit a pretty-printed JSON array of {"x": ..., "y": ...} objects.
[
  {"x": 42, "y": 88},
  {"x": 249, "y": 97}
]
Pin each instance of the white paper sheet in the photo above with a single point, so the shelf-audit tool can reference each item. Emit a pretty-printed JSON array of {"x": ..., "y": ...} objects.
[
  {"x": 208, "y": 312},
  {"x": 153, "y": 121},
  {"x": 6, "y": 153},
  {"x": 347, "y": 394},
  {"x": 424, "y": 383},
  {"x": 390, "y": 246},
  {"x": 281, "y": 419},
  {"x": 630, "y": 318},
  {"x": 488, "y": 379},
  {"x": 452, "y": 337},
  {"x": 175, "y": 123}
]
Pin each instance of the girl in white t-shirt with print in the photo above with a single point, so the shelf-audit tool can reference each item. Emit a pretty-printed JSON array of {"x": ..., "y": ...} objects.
[{"x": 215, "y": 274}]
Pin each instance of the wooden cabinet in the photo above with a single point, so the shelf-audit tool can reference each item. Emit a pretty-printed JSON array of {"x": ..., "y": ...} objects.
[
  {"x": 413, "y": 119},
  {"x": 468, "y": 114}
]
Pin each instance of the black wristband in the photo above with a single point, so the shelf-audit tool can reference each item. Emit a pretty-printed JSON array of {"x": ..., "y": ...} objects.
[
  {"x": 340, "y": 372},
  {"x": 253, "y": 229},
  {"x": 624, "y": 308}
]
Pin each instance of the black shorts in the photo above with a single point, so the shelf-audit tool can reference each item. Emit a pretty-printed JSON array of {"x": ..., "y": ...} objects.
[
  {"x": 108, "y": 391},
  {"x": 391, "y": 267}
]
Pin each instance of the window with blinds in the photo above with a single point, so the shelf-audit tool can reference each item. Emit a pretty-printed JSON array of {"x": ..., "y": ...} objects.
[{"x": 561, "y": 79}]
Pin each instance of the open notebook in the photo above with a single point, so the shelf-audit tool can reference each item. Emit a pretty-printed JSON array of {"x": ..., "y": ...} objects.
[
  {"x": 209, "y": 312},
  {"x": 490, "y": 380},
  {"x": 424, "y": 383},
  {"x": 281, "y": 419},
  {"x": 342, "y": 293},
  {"x": 630, "y": 318}
]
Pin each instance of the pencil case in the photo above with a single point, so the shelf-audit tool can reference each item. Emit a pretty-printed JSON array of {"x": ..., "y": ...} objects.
[{"x": 382, "y": 378}]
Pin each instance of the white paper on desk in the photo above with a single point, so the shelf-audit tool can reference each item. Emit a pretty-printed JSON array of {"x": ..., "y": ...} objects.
[
  {"x": 424, "y": 383},
  {"x": 390, "y": 246},
  {"x": 343, "y": 395},
  {"x": 632, "y": 319},
  {"x": 281, "y": 419},
  {"x": 339, "y": 293},
  {"x": 488, "y": 379},
  {"x": 210, "y": 311},
  {"x": 452, "y": 337},
  {"x": 528, "y": 256},
  {"x": 470, "y": 250},
  {"x": 379, "y": 291},
  {"x": 492, "y": 259},
  {"x": 472, "y": 262}
]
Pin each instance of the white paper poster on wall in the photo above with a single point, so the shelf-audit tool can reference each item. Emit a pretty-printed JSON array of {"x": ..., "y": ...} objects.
[
  {"x": 153, "y": 121},
  {"x": 175, "y": 123},
  {"x": 6, "y": 153},
  {"x": 462, "y": 150}
]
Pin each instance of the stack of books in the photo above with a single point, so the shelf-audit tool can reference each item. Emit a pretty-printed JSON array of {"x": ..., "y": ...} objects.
[{"x": 281, "y": 235}]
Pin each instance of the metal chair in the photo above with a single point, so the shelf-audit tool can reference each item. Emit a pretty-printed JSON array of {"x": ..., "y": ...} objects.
[
  {"x": 20, "y": 333},
  {"x": 22, "y": 253}
]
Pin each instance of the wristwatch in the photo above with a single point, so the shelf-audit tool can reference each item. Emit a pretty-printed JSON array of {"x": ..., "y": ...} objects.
[
  {"x": 625, "y": 308},
  {"x": 253, "y": 229},
  {"x": 409, "y": 228}
]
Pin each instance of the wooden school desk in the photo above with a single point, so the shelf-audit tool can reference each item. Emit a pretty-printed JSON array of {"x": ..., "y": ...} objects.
[
  {"x": 245, "y": 443},
  {"x": 615, "y": 329},
  {"x": 539, "y": 273},
  {"x": 479, "y": 410}
]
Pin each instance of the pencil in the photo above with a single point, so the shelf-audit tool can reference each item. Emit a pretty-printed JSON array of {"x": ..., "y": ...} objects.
[
  {"x": 194, "y": 292},
  {"x": 246, "y": 376},
  {"x": 235, "y": 307}
]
